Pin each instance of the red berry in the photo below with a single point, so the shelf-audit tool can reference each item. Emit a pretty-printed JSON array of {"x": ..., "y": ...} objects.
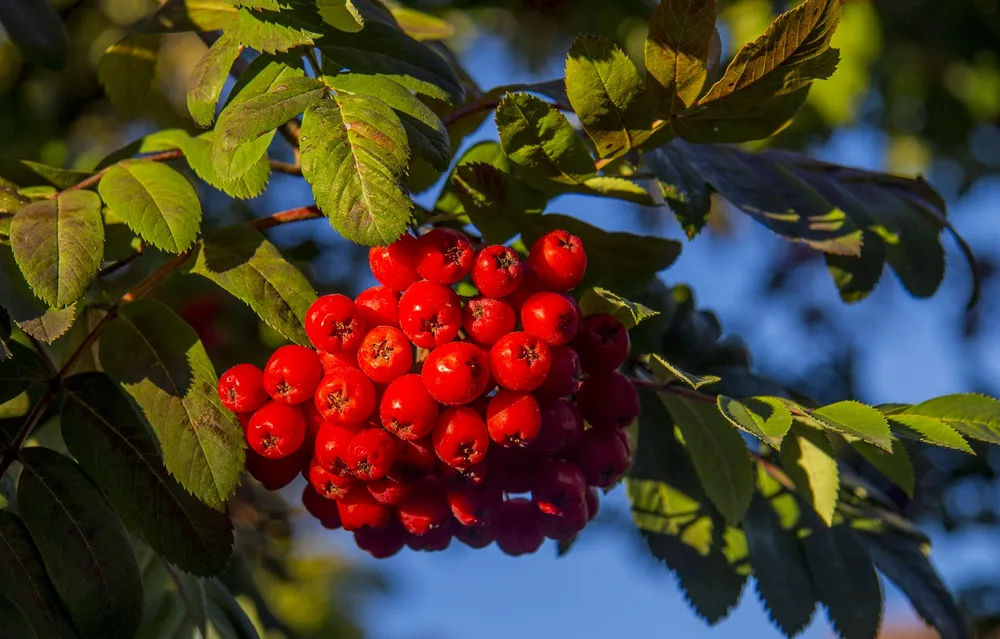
[
  {"x": 601, "y": 456},
  {"x": 475, "y": 537},
  {"x": 276, "y": 430},
  {"x": 497, "y": 271},
  {"x": 371, "y": 454},
  {"x": 460, "y": 437},
  {"x": 332, "y": 445},
  {"x": 333, "y": 323},
  {"x": 292, "y": 374},
  {"x": 608, "y": 400},
  {"x": 559, "y": 260},
  {"x": 462, "y": 478},
  {"x": 435, "y": 540},
  {"x": 564, "y": 375},
  {"x": 512, "y": 469},
  {"x": 513, "y": 419},
  {"x": 314, "y": 420},
  {"x": 558, "y": 487},
  {"x": 530, "y": 284},
  {"x": 430, "y": 314},
  {"x": 517, "y": 529},
  {"x": 379, "y": 306},
  {"x": 385, "y": 354},
  {"x": 520, "y": 361},
  {"x": 562, "y": 426},
  {"x": 345, "y": 396},
  {"x": 424, "y": 510},
  {"x": 395, "y": 265},
  {"x": 593, "y": 503},
  {"x": 407, "y": 410},
  {"x": 456, "y": 373},
  {"x": 565, "y": 526},
  {"x": 333, "y": 361},
  {"x": 321, "y": 508},
  {"x": 415, "y": 460},
  {"x": 602, "y": 343},
  {"x": 329, "y": 485},
  {"x": 486, "y": 319},
  {"x": 475, "y": 507},
  {"x": 244, "y": 419},
  {"x": 241, "y": 388},
  {"x": 383, "y": 543},
  {"x": 388, "y": 491},
  {"x": 444, "y": 256},
  {"x": 359, "y": 509},
  {"x": 553, "y": 317},
  {"x": 273, "y": 474}
]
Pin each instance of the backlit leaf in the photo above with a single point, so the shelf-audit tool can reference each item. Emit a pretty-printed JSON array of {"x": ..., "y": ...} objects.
[
  {"x": 208, "y": 78},
  {"x": 27, "y": 311},
  {"x": 665, "y": 372},
  {"x": 274, "y": 31},
  {"x": 896, "y": 466},
  {"x": 856, "y": 420},
  {"x": 127, "y": 71},
  {"x": 975, "y": 416},
  {"x": 767, "y": 418},
  {"x": 598, "y": 300},
  {"x": 808, "y": 459},
  {"x": 677, "y": 52}
]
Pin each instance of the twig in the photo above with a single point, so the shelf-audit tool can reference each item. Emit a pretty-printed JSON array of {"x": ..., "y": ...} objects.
[
  {"x": 122, "y": 263},
  {"x": 284, "y": 217},
  {"x": 286, "y": 167},
  {"x": 673, "y": 389},
  {"x": 95, "y": 178}
]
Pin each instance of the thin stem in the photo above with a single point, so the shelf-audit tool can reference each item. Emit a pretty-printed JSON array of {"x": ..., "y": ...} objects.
[
  {"x": 122, "y": 263},
  {"x": 95, "y": 178},
  {"x": 30, "y": 422},
  {"x": 673, "y": 389},
  {"x": 291, "y": 168},
  {"x": 284, "y": 217}
]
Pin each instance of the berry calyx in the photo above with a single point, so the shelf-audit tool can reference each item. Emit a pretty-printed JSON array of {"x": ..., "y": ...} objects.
[
  {"x": 407, "y": 410},
  {"x": 345, "y": 396},
  {"x": 329, "y": 485},
  {"x": 460, "y": 437},
  {"x": 513, "y": 419},
  {"x": 241, "y": 388},
  {"x": 379, "y": 306},
  {"x": 497, "y": 271},
  {"x": 608, "y": 400},
  {"x": 444, "y": 256},
  {"x": 395, "y": 265},
  {"x": 430, "y": 314},
  {"x": 333, "y": 323},
  {"x": 553, "y": 317},
  {"x": 559, "y": 260},
  {"x": 385, "y": 354},
  {"x": 520, "y": 361},
  {"x": 456, "y": 373},
  {"x": 276, "y": 430},
  {"x": 292, "y": 374},
  {"x": 371, "y": 454},
  {"x": 602, "y": 343}
]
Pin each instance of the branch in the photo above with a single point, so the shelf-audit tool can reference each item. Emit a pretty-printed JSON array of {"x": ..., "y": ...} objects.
[
  {"x": 673, "y": 389},
  {"x": 95, "y": 178},
  {"x": 284, "y": 217}
]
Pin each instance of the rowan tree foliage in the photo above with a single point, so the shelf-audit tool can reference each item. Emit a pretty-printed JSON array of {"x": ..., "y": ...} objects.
[{"x": 129, "y": 480}]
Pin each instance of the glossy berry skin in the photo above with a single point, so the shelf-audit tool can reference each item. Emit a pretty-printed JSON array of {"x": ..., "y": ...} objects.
[
  {"x": 333, "y": 361},
  {"x": 444, "y": 256},
  {"x": 513, "y": 419},
  {"x": 463, "y": 478},
  {"x": 276, "y": 430},
  {"x": 565, "y": 374},
  {"x": 415, "y": 460},
  {"x": 460, "y": 437},
  {"x": 333, "y": 323},
  {"x": 379, "y": 306},
  {"x": 486, "y": 319},
  {"x": 430, "y": 314},
  {"x": 331, "y": 486},
  {"x": 423, "y": 511},
  {"x": 517, "y": 530},
  {"x": 456, "y": 373},
  {"x": 559, "y": 487},
  {"x": 565, "y": 526},
  {"x": 292, "y": 374},
  {"x": 475, "y": 536},
  {"x": 359, "y": 509},
  {"x": 530, "y": 284},
  {"x": 497, "y": 271},
  {"x": 371, "y": 454},
  {"x": 385, "y": 354},
  {"x": 313, "y": 422},
  {"x": 395, "y": 265},
  {"x": 345, "y": 396},
  {"x": 562, "y": 426},
  {"x": 407, "y": 410},
  {"x": 520, "y": 361},
  {"x": 608, "y": 400},
  {"x": 241, "y": 388},
  {"x": 602, "y": 343},
  {"x": 475, "y": 507},
  {"x": 602, "y": 456},
  {"x": 388, "y": 491},
  {"x": 435, "y": 540},
  {"x": 274, "y": 474},
  {"x": 332, "y": 445},
  {"x": 559, "y": 260},
  {"x": 323, "y": 509},
  {"x": 383, "y": 543},
  {"x": 553, "y": 317}
]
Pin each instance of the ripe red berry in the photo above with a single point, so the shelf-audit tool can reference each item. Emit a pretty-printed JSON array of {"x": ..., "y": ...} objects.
[
  {"x": 379, "y": 306},
  {"x": 520, "y": 361},
  {"x": 395, "y": 265},
  {"x": 486, "y": 319},
  {"x": 517, "y": 529},
  {"x": 332, "y": 445},
  {"x": 608, "y": 400},
  {"x": 444, "y": 256},
  {"x": 415, "y": 460},
  {"x": 564, "y": 376},
  {"x": 323, "y": 509},
  {"x": 497, "y": 271},
  {"x": 359, "y": 509},
  {"x": 292, "y": 374},
  {"x": 276, "y": 430},
  {"x": 565, "y": 526},
  {"x": 512, "y": 469},
  {"x": 456, "y": 373},
  {"x": 475, "y": 537},
  {"x": 530, "y": 284},
  {"x": 371, "y": 454},
  {"x": 462, "y": 478},
  {"x": 385, "y": 354},
  {"x": 434, "y": 540},
  {"x": 333, "y": 361},
  {"x": 460, "y": 437},
  {"x": 553, "y": 317},
  {"x": 475, "y": 507},
  {"x": 602, "y": 343},
  {"x": 513, "y": 419},
  {"x": 314, "y": 420},
  {"x": 424, "y": 510},
  {"x": 388, "y": 491},
  {"x": 602, "y": 457},
  {"x": 559, "y": 260},
  {"x": 382, "y": 543},
  {"x": 241, "y": 388},
  {"x": 274, "y": 474},
  {"x": 329, "y": 485},
  {"x": 558, "y": 487},
  {"x": 407, "y": 410},
  {"x": 333, "y": 323},
  {"x": 562, "y": 426},
  {"x": 430, "y": 314},
  {"x": 345, "y": 396}
]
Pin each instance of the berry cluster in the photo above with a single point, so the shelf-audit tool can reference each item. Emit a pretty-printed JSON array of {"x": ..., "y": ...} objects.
[{"x": 491, "y": 414}]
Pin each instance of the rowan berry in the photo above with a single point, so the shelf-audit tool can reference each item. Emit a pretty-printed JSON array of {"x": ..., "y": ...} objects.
[
  {"x": 553, "y": 317},
  {"x": 520, "y": 361},
  {"x": 564, "y": 376},
  {"x": 241, "y": 388},
  {"x": 601, "y": 456},
  {"x": 323, "y": 509},
  {"x": 475, "y": 507},
  {"x": 558, "y": 487},
  {"x": 333, "y": 323},
  {"x": 395, "y": 265},
  {"x": 497, "y": 271},
  {"x": 456, "y": 373},
  {"x": 388, "y": 491},
  {"x": 530, "y": 284},
  {"x": 559, "y": 260},
  {"x": 512, "y": 468},
  {"x": 407, "y": 410},
  {"x": 276, "y": 430},
  {"x": 486, "y": 319},
  {"x": 371, "y": 454},
  {"x": 292, "y": 374},
  {"x": 608, "y": 400},
  {"x": 333, "y": 361},
  {"x": 435, "y": 540},
  {"x": 444, "y": 256},
  {"x": 565, "y": 526},
  {"x": 385, "y": 354},
  {"x": 273, "y": 474},
  {"x": 382, "y": 543},
  {"x": 331, "y": 486},
  {"x": 415, "y": 460},
  {"x": 345, "y": 396},
  {"x": 562, "y": 426},
  {"x": 359, "y": 509},
  {"x": 379, "y": 306},
  {"x": 475, "y": 536},
  {"x": 462, "y": 478},
  {"x": 460, "y": 437},
  {"x": 424, "y": 510},
  {"x": 602, "y": 343},
  {"x": 314, "y": 420},
  {"x": 430, "y": 314},
  {"x": 517, "y": 530},
  {"x": 331, "y": 449}
]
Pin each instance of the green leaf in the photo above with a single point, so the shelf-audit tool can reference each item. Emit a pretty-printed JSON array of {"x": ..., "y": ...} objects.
[
  {"x": 227, "y": 617},
  {"x": 427, "y": 135},
  {"x": 975, "y": 416},
  {"x": 155, "y": 201},
  {"x": 340, "y": 14},
  {"x": 541, "y": 141},
  {"x": 484, "y": 152},
  {"x": 615, "y": 187},
  {"x": 194, "y": 15},
  {"x": 83, "y": 545},
  {"x": 261, "y": 114},
  {"x": 684, "y": 190},
  {"x": 808, "y": 459},
  {"x": 208, "y": 78},
  {"x": 242, "y": 261},
  {"x": 115, "y": 449},
  {"x": 930, "y": 431},
  {"x": 896, "y": 466},
  {"x": 35, "y": 27},
  {"x": 24, "y": 581},
  {"x": 354, "y": 155},
  {"x": 766, "y": 418},
  {"x": 127, "y": 71},
  {"x": 198, "y": 152},
  {"x": 15, "y": 624},
  {"x": 5, "y": 330},
  {"x": 598, "y": 300},
  {"x": 18, "y": 372},
  {"x": 28, "y": 173},
  {"x": 854, "y": 419},
  {"x": 58, "y": 245},
  {"x": 606, "y": 92},
  {"x": 677, "y": 51},
  {"x": 422, "y": 26},
  {"x": 495, "y": 201},
  {"x": 665, "y": 372},
  {"x": 274, "y": 31},
  {"x": 159, "y": 361},
  {"x": 27, "y": 311}
]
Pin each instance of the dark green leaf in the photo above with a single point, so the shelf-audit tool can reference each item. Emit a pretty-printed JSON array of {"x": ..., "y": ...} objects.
[
  {"x": 677, "y": 48},
  {"x": 274, "y": 31},
  {"x": 208, "y": 78},
  {"x": 896, "y": 466},
  {"x": 160, "y": 362},
  {"x": 496, "y": 202},
  {"x": 808, "y": 459},
  {"x": 615, "y": 187},
  {"x": 930, "y": 431},
  {"x": 58, "y": 245},
  {"x": 484, "y": 152},
  {"x": 27, "y": 311},
  {"x": 5, "y": 330},
  {"x": 15, "y": 625},
  {"x": 198, "y": 152},
  {"x": 19, "y": 372},
  {"x": 665, "y": 372},
  {"x": 684, "y": 189},
  {"x": 766, "y": 418},
  {"x": 115, "y": 449},
  {"x": 83, "y": 545},
  {"x": 354, "y": 155},
  {"x": 35, "y": 27},
  {"x": 856, "y": 420},
  {"x": 228, "y": 619},
  {"x": 249, "y": 120},
  {"x": 598, "y": 300},
  {"x": 975, "y": 416},
  {"x": 28, "y": 173},
  {"x": 127, "y": 71},
  {"x": 159, "y": 141}
]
